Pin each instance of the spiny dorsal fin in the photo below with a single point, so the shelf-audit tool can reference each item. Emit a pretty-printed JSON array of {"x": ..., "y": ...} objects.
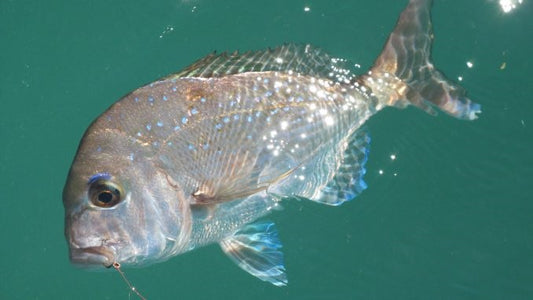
[{"x": 303, "y": 59}]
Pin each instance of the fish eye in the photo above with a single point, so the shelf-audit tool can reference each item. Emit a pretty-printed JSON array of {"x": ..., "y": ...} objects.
[{"x": 105, "y": 193}]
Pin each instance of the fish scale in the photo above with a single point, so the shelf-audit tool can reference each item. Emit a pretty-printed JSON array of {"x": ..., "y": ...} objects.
[{"x": 317, "y": 118}]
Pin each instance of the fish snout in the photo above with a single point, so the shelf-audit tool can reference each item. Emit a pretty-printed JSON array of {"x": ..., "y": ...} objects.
[{"x": 92, "y": 256}]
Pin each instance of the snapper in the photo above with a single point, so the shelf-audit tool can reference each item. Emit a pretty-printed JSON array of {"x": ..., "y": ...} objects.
[{"x": 199, "y": 156}]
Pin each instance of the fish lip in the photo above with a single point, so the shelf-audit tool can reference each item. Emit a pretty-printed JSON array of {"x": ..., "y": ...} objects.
[{"x": 92, "y": 256}]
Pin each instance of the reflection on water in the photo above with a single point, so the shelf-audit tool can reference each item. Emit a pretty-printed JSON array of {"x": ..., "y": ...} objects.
[{"x": 509, "y": 5}]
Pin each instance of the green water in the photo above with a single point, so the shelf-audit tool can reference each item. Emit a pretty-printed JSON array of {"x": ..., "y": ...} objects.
[{"x": 450, "y": 218}]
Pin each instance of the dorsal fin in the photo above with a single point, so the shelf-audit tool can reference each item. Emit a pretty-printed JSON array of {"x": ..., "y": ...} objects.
[{"x": 303, "y": 59}]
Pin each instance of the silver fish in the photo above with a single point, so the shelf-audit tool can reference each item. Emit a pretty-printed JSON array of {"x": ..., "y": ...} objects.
[{"x": 199, "y": 156}]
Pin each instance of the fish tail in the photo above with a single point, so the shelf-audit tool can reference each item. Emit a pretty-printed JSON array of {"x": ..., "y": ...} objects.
[{"x": 404, "y": 74}]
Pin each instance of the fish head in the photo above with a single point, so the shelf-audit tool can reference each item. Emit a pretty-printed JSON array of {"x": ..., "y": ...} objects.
[{"x": 119, "y": 207}]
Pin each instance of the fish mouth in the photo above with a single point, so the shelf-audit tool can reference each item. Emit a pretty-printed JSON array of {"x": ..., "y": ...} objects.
[{"x": 92, "y": 256}]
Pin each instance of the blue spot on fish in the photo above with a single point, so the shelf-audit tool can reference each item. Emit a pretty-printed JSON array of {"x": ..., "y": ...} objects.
[
  {"x": 225, "y": 120},
  {"x": 165, "y": 98},
  {"x": 148, "y": 127},
  {"x": 98, "y": 176},
  {"x": 159, "y": 124},
  {"x": 218, "y": 126},
  {"x": 184, "y": 120},
  {"x": 202, "y": 100},
  {"x": 150, "y": 99},
  {"x": 176, "y": 128},
  {"x": 136, "y": 99}
]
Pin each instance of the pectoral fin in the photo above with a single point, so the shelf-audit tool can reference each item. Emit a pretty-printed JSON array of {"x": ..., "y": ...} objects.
[{"x": 256, "y": 249}]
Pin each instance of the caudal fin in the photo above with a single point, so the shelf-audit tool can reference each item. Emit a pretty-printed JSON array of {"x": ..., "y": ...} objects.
[{"x": 404, "y": 74}]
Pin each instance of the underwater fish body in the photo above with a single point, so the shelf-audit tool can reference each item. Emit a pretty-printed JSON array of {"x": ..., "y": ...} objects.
[{"x": 199, "y": 156}]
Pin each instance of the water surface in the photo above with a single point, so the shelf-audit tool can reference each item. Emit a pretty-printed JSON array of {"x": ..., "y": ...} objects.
[{"x": 449, "y": 217}]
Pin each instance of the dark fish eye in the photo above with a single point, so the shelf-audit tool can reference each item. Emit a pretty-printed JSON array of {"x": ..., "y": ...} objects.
[{"x": 105, "y": 193}]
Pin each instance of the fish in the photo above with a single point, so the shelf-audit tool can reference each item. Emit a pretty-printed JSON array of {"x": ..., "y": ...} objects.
[{"x": 201, "y": 156}]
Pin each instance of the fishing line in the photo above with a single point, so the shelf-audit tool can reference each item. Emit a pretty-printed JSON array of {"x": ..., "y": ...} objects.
[{"x": 116, "y": 265}]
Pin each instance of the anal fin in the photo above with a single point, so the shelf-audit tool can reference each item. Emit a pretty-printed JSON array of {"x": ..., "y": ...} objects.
[
  {"x": 348, "y": 181},
  {"x": 331, "y": 178},
  {"x": 256, "y": 249}
]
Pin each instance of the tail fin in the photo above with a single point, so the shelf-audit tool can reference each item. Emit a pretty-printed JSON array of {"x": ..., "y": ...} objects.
[{"x": 403, "y": 73}]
